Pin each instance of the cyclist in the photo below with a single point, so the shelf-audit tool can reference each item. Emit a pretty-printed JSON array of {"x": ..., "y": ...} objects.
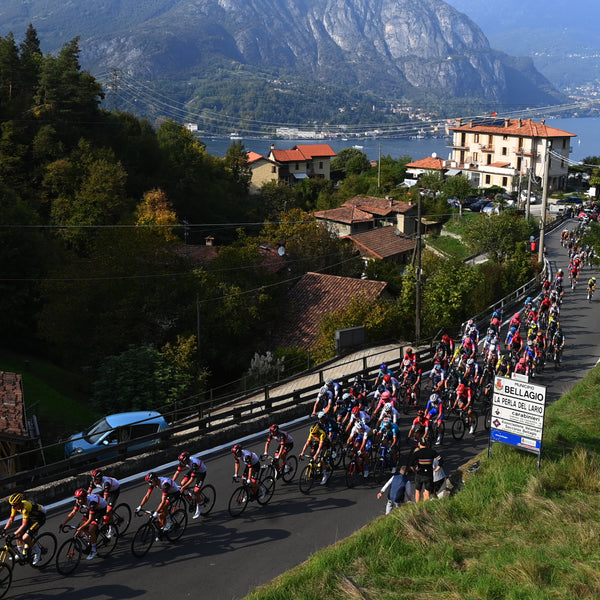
[
  {"x": 384, "y": 398},
  {"x": 383, "y": 371},
  {"x": 411, "y": 382},
  {"x": 503, "y": 367},
  {"x": 390, "y": 437},
  {"x": 170, "y": 493},
  {"x": 356, "y": 414},
  {"x": 93, "y": 510},
  {"x": 389, "y": 413},
  {"x": 251, "y": 469},
  {"x": 420, "y": 427},
  {"x": 464, "y": 401},
  {"x": 437, "y": 376},
  {"x": 558, "y": 342},
  {"x": 33, "y": 517},
  {"x": 361, "y": 438},
  {"x": 472, "y": 373},
  {"x": 591, "y": 287},
  {"x": 324, "y": 400},
  {"x": 411, "y": 356},
  {"x": 515, "y": 322},
  {"x": 285, "y": 441},
  {"x": 110, "y": 489},
  {"x": 196, "y": 472},
  {"x": 319, "y": 445},
  {"x": 434, "y": 412}
]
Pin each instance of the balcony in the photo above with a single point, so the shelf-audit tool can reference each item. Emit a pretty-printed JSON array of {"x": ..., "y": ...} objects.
[{"x": 487, "y": 148}]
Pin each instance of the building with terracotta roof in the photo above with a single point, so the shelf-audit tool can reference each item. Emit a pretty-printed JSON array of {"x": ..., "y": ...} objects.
[
  {"x": 316, "y": 295},
  {"x": 302, "y": 161},
  {"x": 384, "y": 243},
  {"x": 263, "y": 170},
  {"x": 363, "y": 213},
  {"x": 492, "y": 151}
]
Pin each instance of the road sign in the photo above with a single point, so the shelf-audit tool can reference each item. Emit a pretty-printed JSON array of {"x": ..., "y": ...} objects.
[{"x": 518, "y": 409}]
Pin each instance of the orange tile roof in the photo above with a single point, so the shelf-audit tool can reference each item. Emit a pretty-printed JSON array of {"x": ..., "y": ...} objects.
[
  {"x": 427, "y": 163},
  {"x": 497, "y": 164},
  {"x": 516, "y": 127},
  {"x": 315, "y": 150},
  {"x": 383, "y": 242},
  {"x": 284, "y": 156},
  {"x": 315, "y": 296},
  {"x": 379, "y": 206},
  {"x": 344, "y": 214},
  {"x": 12, "y": 408},
  {"x": 254, "y": 156}
]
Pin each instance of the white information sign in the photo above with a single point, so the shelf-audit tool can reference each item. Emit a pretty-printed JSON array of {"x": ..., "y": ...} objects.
[{"x": 518, "y": 409}]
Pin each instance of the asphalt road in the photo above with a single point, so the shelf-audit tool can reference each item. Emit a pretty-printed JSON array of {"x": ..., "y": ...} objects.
[{"x": 220, "y": 558}]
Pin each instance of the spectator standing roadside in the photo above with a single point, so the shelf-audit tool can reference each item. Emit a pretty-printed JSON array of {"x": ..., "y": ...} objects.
[
  {"x": 398, "y": 486},
  {"x": 439, "y": 475},
  {"x": 422, "y": 465}
]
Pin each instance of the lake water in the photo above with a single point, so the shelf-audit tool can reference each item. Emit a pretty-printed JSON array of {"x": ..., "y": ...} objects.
[{"x": 587, "y": 143}]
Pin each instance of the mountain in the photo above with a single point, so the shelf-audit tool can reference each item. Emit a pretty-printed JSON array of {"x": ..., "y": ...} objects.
[
  {"x": 287, "y": 60},
  {"x": 562, "y": 38}
]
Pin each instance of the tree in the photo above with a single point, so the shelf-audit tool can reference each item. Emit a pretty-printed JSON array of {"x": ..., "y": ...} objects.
[
  {"x": 155, "y": 211},
  {"x": 350, "y": 161},
  {"x": 236, "y": 162},
  {"x": 457, "y": 186}
]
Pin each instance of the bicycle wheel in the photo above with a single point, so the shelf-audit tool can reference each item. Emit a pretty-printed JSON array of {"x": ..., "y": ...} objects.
[
  {"x": 68, "y": 556},
  {"x": 269, "y": 484},
  {"x": 306, "y": 479},
  {"x": 104, "y": 544},
  {"x": 238, "y": 501},
  {"x": 337, "y": 453},
  {"x": 487, "y": 418},
  {"x": 5, "y": 578},
  {"x": 458, "y": 428},
  {"x": 179, "y": 518},
  {"x": 352, "y": 474},
  {"x": 290, "y": 468},
  {"x": 47, "y": 543},
  {"x": 143, "y": 539},
  {"x": 474, "y": 420},
  {"x": 121, "y": 518},
  {"x": 379, "y": 470},
  {"x": 208, "y": 495}
]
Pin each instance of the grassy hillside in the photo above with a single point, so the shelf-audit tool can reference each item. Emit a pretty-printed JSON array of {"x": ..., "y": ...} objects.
[{"x": 513, "y": 532}]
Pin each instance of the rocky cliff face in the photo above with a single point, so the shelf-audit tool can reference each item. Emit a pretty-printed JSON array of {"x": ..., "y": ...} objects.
[{"x": 393, "y": 48}]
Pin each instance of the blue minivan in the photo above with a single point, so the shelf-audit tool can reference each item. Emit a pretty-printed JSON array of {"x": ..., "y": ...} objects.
[{"x": 114, "y": 429}]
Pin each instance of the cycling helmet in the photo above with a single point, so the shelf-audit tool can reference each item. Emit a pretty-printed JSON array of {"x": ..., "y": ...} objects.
[
  {"x": 383, "y": 367},
  {"x": 355, "y": 410},
  {"x": 513, "y": 330},
  {"x": 437, "y": 366},
  {"x": 593, "y": 279},
  {"x": 471, "y": 361},
  {"x": 434, "y": 398},
  {"x": 97, "y": 474},
  {"x": 470, "y": 322},
  {"x": 421, "y": 413},
  {"x": 329, "y": 381},
  {"x": 528, "y": 299},
  {"x": 274, "y": 429},
  {"x": 387, "y": 407},
  {"x": 315, "y": 429},
  {"x": 409, "y": 351},
  {"x": 323, "y": 391},
  {"x": 184, "y": 457},
  {"x": 80, "y": 494},
  {"x": 385, "y": 395},
  {"x": 461, "y": 387},
  {"x": 321, "y": 415},
  {"x": 151, "y": 477},
  {"x": 237, "y": 449},
  {"x": 15, "y": 499},
  {"x": 346, "y": 396},
  {"x": 386, "y": 378}
]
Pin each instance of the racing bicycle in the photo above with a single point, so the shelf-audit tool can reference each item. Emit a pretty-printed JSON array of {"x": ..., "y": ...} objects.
[
  {"x": 69, "y": 553},
  {"x": 152, "y": 531}
]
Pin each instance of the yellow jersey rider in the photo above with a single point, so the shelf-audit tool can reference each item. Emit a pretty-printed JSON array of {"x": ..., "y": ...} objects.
[{"x": 34, "y": 516}]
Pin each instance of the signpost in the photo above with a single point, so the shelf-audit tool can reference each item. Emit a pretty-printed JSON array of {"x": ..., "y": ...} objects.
[{"x": 518, "y": 409}]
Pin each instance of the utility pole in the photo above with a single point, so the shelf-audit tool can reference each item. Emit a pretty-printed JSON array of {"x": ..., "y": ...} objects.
[
  {"x": 418, "y": 283},
  {"x": 379, "y": 169},
  {"x": 544, "y": 199},
  {"x": 528, "y": 205}
]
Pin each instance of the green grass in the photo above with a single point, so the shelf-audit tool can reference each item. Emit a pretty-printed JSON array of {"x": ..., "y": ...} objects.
[
  {"x": 56, "y": 396},
  {"x": 450, "y": 246},
  {"x": 458, "y": 225},
  {"x": 512, "y": 532}
]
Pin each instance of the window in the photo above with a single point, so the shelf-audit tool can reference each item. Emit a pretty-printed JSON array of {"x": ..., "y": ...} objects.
[
  {"x": 476, "y": 138},
  {"x": 273, "y": 169},
  {"x": 488, "y": 179},
  {"x": 297, "y": 166},
  {"x": 505, "y": 182},
  {"x": 321, "y": 165},
  {"x": 475, "y": 156},
  {"x": 504, "y": 150},
  {"x": 505, "y": 137}
]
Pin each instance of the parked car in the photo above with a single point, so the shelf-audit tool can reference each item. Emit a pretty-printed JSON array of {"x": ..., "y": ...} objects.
[
  {"x": 114, "y": 429},
  {"x": 493, "y": 208},
  {"x": 570, "y": 201},
  {"x": 479, "y": 205}
]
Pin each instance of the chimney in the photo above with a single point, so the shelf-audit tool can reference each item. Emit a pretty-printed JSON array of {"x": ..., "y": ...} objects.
[
  {"x": 506, "y": 122},
  {"x": 209, "y": 240},
  {"x": 272, "y": 146},
  {"x": 471, "y": 124},
  {"x": 543, "y": 121},
  {"x": 520, "y": 123}
]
